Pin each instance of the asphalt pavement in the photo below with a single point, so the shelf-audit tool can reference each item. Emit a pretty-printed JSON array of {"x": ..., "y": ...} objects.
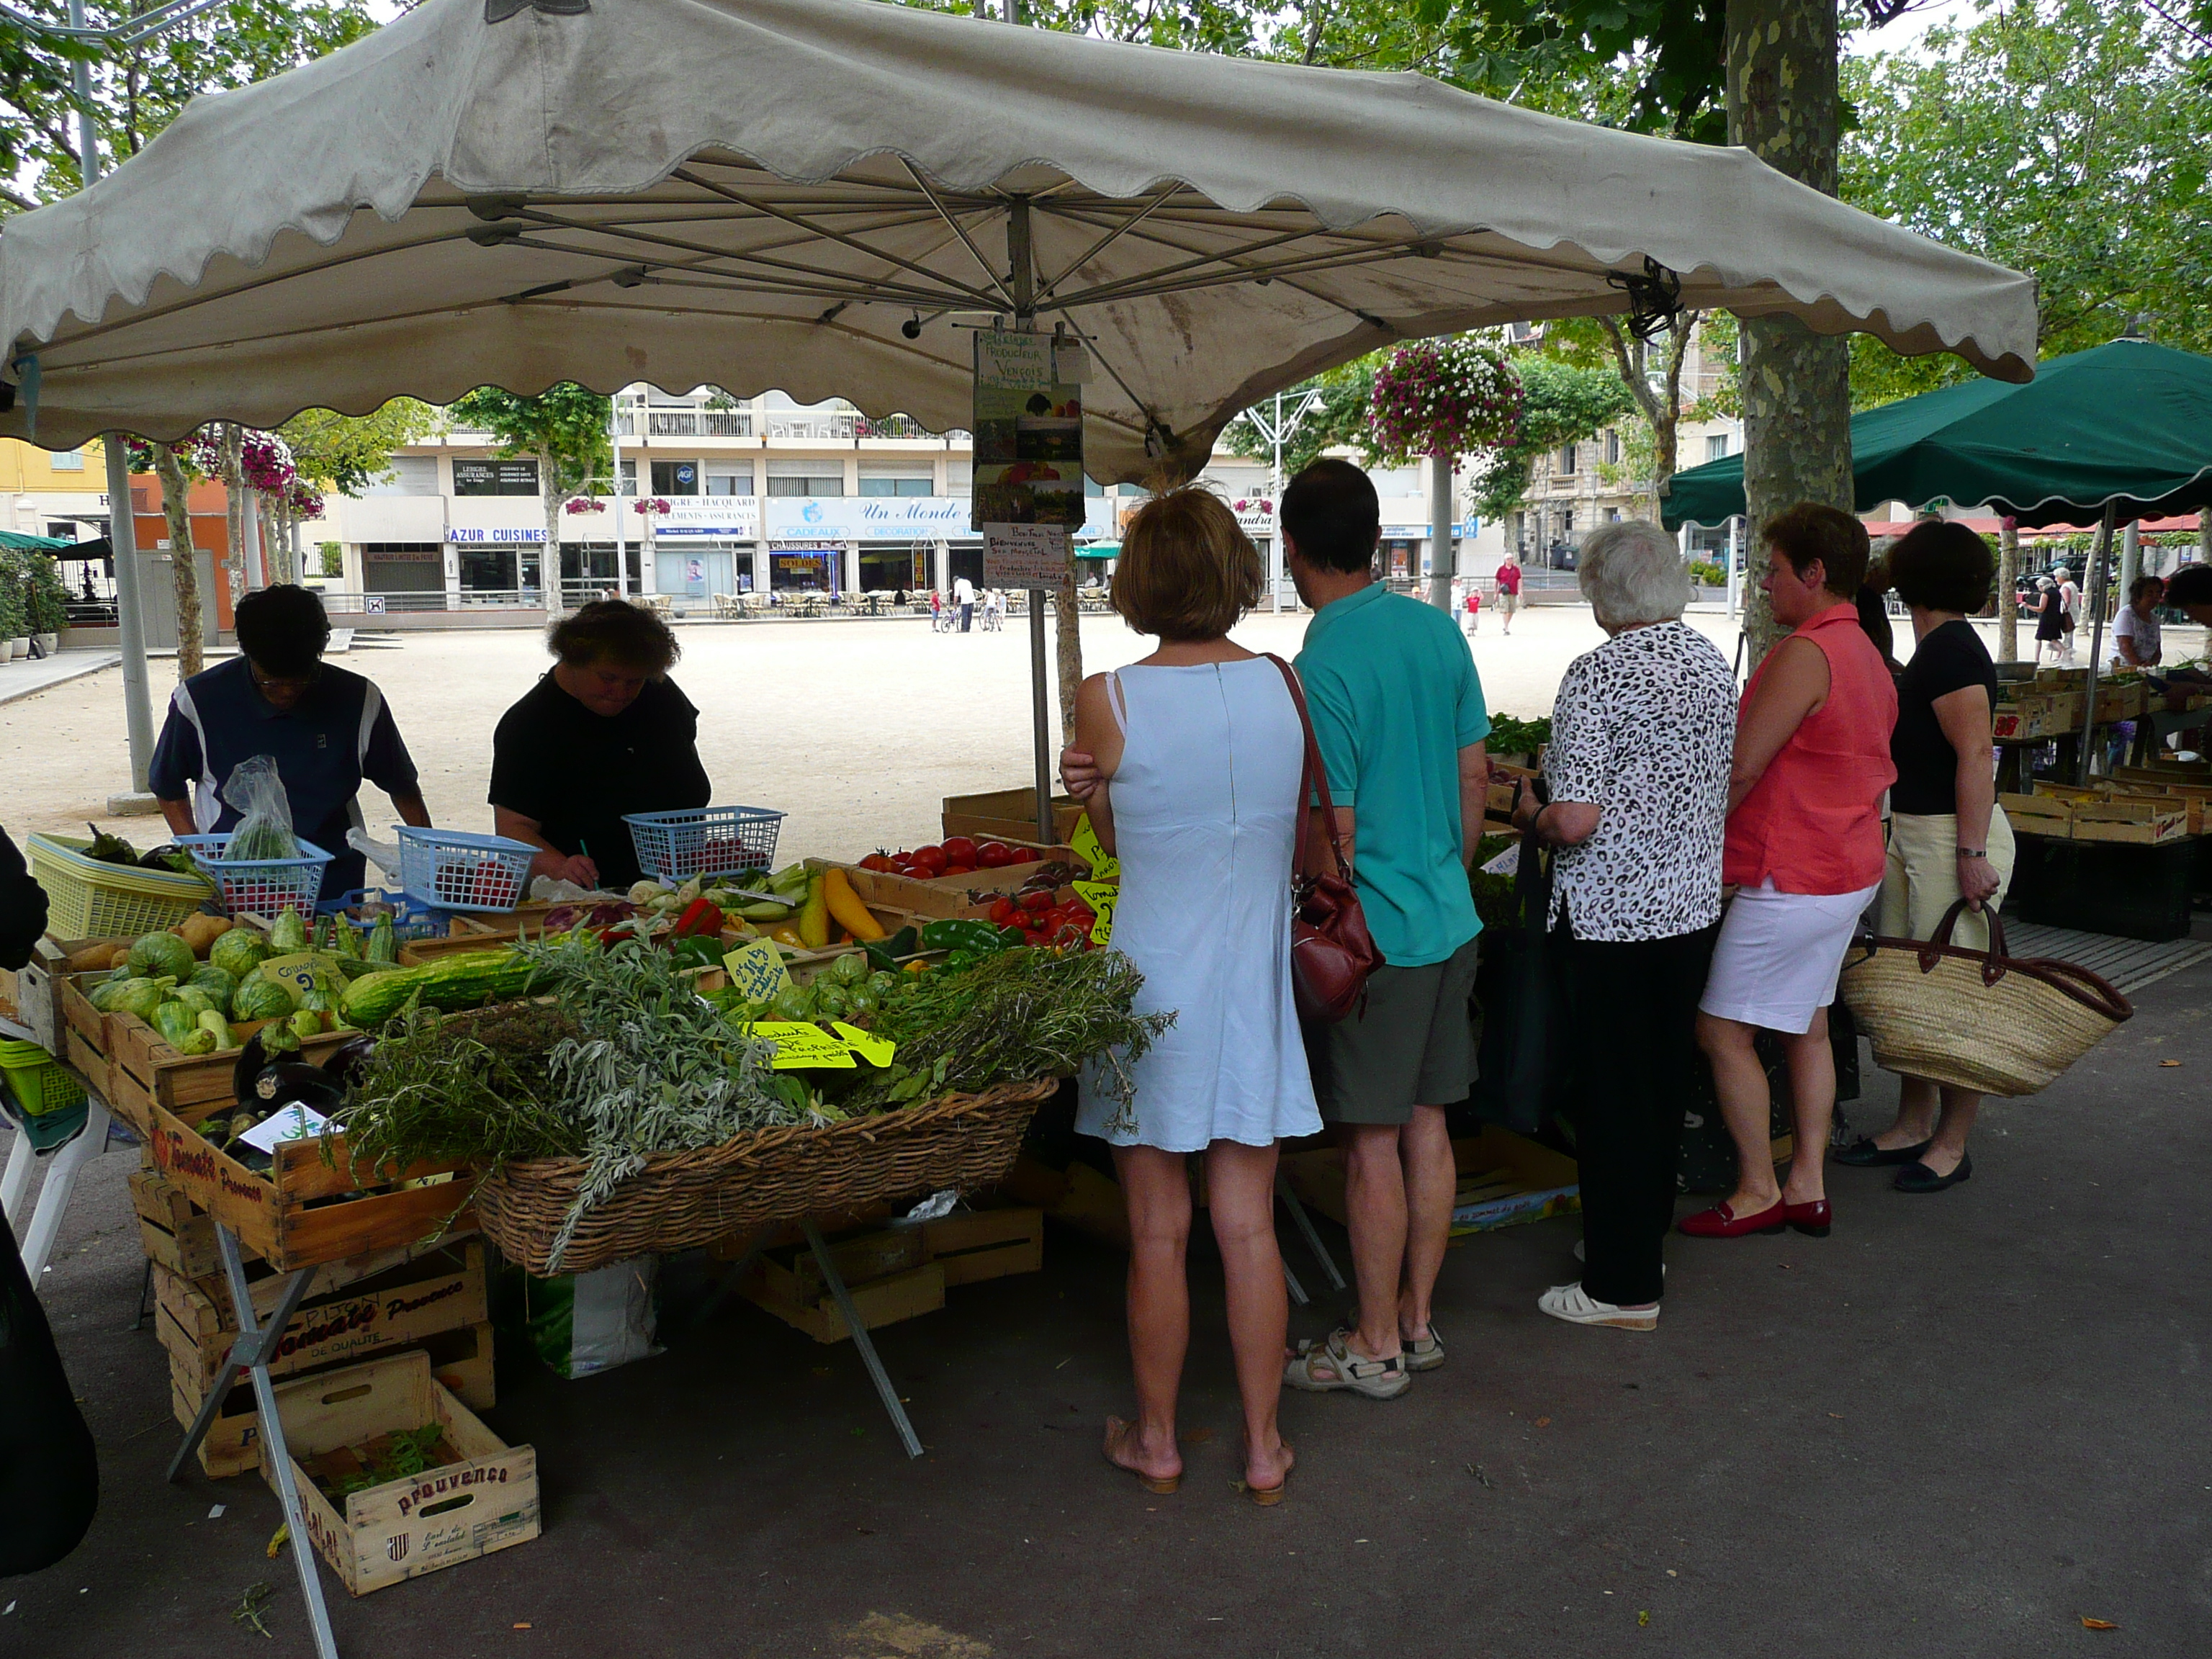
[{"x": 1960, "y": 1426}]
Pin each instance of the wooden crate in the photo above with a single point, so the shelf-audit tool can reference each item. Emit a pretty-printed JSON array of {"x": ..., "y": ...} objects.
[
  {"x": 2143, "y": 820},
  {"x": 1007, "y": 815},
  {"x": 415, "y": 1298},
  {"x": 2038, "y": 814},
  {"x": 897, "y": 1273},
  {"x": 1503, "y": 1178},
  {"x": 93, "y": 1066},
  {"x": 772, "y": 1285},
  {"x": 984, "y": 1244},
  {"x": 461, "y": 1360},
  {"x": 38, "y": 989},
  {"x": 174, "y": 1235},
  {"x": 420, "y": 1524}
]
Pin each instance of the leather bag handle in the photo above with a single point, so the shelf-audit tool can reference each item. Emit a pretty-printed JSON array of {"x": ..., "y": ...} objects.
[
  {"x": 1313, "y": 780},
  {"x": 1932, "y": 949}
]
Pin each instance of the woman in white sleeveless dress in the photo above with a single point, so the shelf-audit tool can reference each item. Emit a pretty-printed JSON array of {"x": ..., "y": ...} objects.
[{"x": 1200, "y": 751}]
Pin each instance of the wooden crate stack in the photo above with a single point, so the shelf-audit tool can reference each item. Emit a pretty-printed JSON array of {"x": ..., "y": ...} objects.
[{"x": 2125, "y": 810}]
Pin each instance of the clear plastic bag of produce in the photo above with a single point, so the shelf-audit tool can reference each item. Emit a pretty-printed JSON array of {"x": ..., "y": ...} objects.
[{"x": 264, "y": 827}]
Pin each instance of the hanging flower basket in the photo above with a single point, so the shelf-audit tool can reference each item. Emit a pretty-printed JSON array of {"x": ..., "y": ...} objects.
[{"x": 1445, "y": 398}]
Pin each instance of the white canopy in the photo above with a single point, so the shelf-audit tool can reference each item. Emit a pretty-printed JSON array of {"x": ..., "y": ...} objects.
[{"x": 761, "y": 193}]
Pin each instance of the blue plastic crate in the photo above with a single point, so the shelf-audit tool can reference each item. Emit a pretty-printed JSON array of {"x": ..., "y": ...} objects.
[
  {"x": 455, "y": 870},
  {"x": 704, "y": 840},
  {"x": 410, "y": 919},
  {"x": 261, "y": 887}
]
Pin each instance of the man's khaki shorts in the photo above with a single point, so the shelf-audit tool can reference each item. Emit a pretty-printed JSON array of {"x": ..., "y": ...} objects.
[{"x": 1413, "y": 1045}]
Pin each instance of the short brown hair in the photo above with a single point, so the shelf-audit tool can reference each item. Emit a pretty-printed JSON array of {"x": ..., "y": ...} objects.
[
  {"x": 614, "y": 630},
  {"x": 1808, "y": 531},
  {"x": 1186, "y": 571},
  {"x": 1940, "y": 565}
]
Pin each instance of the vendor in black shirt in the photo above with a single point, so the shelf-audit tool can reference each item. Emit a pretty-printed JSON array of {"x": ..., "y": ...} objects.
[
  {"x": 1948, "y": 839},
  {"x": 606, "y": 732}
]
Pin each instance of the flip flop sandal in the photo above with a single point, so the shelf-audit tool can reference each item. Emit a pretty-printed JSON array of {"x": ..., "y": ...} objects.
[
  {"x": 1269, "y": 1497},
  {"x": 1153, "y": 1483},
  {"x": 1327, "y": 1367},
  {"x": 1422, "y": 1353}
]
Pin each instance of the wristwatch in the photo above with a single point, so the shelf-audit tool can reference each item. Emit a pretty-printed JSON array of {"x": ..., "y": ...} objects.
[{"x": 1973, "y": 853}]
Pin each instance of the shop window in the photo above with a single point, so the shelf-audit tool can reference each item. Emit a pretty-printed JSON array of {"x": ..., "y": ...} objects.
[
  {"x": 805, "y": 483},
  {"x": 67, "y": 460},
  {"x": 494, "y": 478},
  {"x": 676, "y": 477},
  {"x": 720, "y": 481},
  {"x": 403, "y": 567},
  {"x": 878, "y": 485}
]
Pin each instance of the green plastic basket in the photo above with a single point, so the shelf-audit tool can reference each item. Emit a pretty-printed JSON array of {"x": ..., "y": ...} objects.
[
  {"x": 87, "y": 899},
  {"x": 39, "y": 1083}
]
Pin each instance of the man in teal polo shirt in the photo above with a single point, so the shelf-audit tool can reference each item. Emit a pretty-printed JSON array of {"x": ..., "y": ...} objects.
[{"x": 1397, "y": 707}]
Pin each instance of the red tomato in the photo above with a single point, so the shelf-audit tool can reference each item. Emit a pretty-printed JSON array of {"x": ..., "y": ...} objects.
[
  {"x": 1004, "y": 912},
  {"x": 881, "y": 862},
  {"x": 1078, "y": 912},
  {"x": 1038, "y": 903},
  {"x": 959, "y": 849},
  {"x": 1020, "y": 855},
  {"x": 959, "y": 869},
  {"x": 932, "y": 858},
  {"x": 994, "y": 855}
]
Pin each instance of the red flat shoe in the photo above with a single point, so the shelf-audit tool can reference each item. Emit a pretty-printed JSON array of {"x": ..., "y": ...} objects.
[
  {"x": 1812, "y": 1219},
  {"x": 1722, "y": 1222}
]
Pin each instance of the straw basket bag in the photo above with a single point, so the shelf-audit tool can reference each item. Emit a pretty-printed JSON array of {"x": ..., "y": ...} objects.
[{"x": 1976, "y": 1020}]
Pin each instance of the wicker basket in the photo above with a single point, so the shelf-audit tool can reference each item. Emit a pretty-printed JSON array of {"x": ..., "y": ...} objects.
[
  {"x": 685, "y": 1199},
  {"x": 1976, "y": 1020}
]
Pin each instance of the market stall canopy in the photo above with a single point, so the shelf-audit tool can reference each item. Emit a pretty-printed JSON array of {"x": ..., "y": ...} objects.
[
  {"x": 2129, "y": 423},
  {"x": 15, "y": 541},
  {"x": 769, "y": 193},
  {"x": 1099, "y": 550}
]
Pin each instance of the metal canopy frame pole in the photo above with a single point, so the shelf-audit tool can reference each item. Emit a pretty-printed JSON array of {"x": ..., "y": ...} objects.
[
  {"x": 2099, "y": 566},
  {"x": 861, "y": 1339},
  {"x": 1040, "y": 721},
  {"x": 257, "y": 1342},
  {"x": 1307, "y": 1230}
]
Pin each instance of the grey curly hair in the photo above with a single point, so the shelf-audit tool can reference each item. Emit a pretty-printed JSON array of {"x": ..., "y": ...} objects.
[{"x": 1631, "y": 572}]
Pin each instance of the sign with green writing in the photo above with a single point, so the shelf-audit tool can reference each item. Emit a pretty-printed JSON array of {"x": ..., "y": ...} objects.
[{"x": 756, "y": 970}]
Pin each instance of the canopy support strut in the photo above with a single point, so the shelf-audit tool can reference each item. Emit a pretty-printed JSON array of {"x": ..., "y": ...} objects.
[{"x": 2097, "y": 569}]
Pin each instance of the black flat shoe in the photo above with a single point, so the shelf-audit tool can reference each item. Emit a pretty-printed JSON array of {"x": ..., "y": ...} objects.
[
  {"x": 1919, "y": 1178},
  {"x": 1863, "y": 1154}
]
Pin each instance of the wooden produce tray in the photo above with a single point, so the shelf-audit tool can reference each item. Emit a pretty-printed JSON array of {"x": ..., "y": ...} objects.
[
  {"x": 399, "y": 1302},
  {"x": 1007, "y": 815},
  {"x": 895, "y": 1273},
  {"x": 39, "y": 982},
  {"x": 174, "y": 1233},
  {"x": 486, "y": 1501},
  {"x": 460, "y": 1360},
  {"x": 149, "y": 1076}
]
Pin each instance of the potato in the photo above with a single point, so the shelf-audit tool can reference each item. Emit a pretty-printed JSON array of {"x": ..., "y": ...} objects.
[
  {"x": 96, "y": 957},
  {"x": 200, "y": 932}
]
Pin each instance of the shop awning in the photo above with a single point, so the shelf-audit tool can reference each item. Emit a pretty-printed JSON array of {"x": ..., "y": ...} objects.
[
  {"x": 1100, "y": 550},
  {"x": 2128, "y": 424},
  {"x": 19, "y": 542},
  {"x": 768, "y": 193}
]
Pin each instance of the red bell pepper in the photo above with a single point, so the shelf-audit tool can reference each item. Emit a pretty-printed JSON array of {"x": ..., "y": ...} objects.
[{"x": 701, "y": 916}]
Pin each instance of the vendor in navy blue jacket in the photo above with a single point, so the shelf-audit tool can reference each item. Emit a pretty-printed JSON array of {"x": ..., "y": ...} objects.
[{"x": 327, "y": 729}]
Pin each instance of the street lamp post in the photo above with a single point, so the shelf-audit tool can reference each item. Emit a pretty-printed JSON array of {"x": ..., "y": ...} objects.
[{"x": 1275, "y": 429}]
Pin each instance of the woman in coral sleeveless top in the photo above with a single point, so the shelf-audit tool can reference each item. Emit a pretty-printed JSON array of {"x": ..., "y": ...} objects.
[{"x": 1804, "y": 852}]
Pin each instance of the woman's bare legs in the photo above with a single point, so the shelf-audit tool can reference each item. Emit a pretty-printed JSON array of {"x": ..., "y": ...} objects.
[
  {"x": 1240, "y": 1191},
  {"x": 1156, "y": 1187},
  {"x": 1740, "y": 1082},
  {"x": 1813, "y": 1110}
]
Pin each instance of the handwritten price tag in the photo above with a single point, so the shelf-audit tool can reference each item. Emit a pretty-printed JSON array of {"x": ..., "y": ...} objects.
[
  {"x": 1105, "y": 866},
  {"x": 756, "y": 970},
  {"x": 299, "y": 974},
  {"x": 802, "y": 1046},
  {"x": 877, "y": 1051},
  {"x": 1102, "y": 896}
]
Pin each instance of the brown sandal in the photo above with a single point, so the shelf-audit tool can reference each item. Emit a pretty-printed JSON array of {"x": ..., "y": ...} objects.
[
  {"x": 1117, "y": 1431},
  {"x": 1269, "y": 1497}
]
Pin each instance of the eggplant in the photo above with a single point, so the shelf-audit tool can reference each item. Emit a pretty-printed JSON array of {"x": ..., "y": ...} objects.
[
  {"x": 349, "y": 1062},
  {"x": 290, "y": 1082},
  {"x": 253, "y": 1057}
]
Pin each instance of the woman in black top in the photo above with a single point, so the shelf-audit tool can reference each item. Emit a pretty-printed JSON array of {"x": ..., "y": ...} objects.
[
  {"x": 2050, "y": 620},
  {"x": 1948, "y": 838},
  {"x": 605, "y": 733}
]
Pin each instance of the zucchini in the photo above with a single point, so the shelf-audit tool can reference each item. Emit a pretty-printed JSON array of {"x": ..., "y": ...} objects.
[{"x": 468, "y": 980}]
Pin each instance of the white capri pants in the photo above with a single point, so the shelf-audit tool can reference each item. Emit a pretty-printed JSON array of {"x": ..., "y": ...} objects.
[{"x": 1779, "y": 955}]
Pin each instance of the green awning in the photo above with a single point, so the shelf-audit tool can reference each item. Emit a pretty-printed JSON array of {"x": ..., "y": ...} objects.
[
  {"x": 2129, "y": 423},
  {"x": 1100, "y": 550},
  {"x": 20, "y": 542}
]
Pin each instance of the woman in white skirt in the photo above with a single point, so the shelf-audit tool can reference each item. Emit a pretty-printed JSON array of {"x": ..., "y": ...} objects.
[
  {"x": 1199, "y": 753},
  {"x": 1804, "y": 852}
]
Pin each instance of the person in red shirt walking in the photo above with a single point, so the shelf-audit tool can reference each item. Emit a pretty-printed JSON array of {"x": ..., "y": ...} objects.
[
  {"x": 1473, "y": 609},
  {"x": 1508, "y": 593},
  {"x": 1804, "y": 852}
]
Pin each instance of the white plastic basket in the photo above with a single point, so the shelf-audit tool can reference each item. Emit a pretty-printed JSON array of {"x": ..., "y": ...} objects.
[
  {"x": 262, "y": 887},
  {"x": 455, "y": 870},
  {"x": 704, "y": 840}
]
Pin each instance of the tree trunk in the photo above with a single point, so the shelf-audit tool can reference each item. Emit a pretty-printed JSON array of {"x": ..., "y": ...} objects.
[
  {"x": 183, "y": 567},
  {"x": 2008, "y": 591},
  {"x": 1442, "y": 555},
  {"x": 1068, "y": 641},
  {"x": 549, "y": 563},
  {"x": 1782, "y": 106}
]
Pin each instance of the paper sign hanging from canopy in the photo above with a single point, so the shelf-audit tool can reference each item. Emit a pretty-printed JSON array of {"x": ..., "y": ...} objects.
[{"x": 1028, "y": 426}]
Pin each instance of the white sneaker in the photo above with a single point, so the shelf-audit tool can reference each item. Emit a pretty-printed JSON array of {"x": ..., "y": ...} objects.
[{"x": 1575, "y": 1305}]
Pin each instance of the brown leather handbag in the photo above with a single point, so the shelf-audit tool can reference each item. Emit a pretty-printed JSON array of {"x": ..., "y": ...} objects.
[{"x": 1332, "y": 953}]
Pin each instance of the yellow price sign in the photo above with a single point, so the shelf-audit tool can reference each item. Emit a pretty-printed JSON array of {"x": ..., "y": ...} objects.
[
  {"x": 800, "y": 1045},
  {"x": 1105, "y": 866},
  {"x": 756, "y": 970},
  {"x": 1101, "y": 896},
  {"x": 877, "y": 1051}
]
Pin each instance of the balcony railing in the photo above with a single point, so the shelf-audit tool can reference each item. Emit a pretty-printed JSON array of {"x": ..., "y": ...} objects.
[
  {"x": 894, "y": 426},
  {"x": 812, "y": 427}
]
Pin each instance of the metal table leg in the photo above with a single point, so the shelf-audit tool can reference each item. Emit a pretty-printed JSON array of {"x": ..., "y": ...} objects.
[
  {"x": 251, "y": 1354},
  {"x": 1291, "y": 1284},
  {"x": 1306, "y": 1227},
  {"x": 861, "y": 1340}
]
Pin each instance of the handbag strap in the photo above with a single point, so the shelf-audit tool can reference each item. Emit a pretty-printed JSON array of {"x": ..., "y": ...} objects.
[
  {"x": 1941, "y": 936},
  {"x": 1312, "y": 780},
  {"x": 2069, "y": 979}
]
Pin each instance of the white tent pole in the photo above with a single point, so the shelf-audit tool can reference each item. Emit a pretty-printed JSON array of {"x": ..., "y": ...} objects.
[
  {"x": 2098, "y": 568},
  {"x": 622, "y": 547}
]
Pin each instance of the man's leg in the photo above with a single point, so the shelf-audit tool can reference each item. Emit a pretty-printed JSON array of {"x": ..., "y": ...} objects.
[
  {"x": 1432, "y": 1181},
  {"x": 1375, "y": 1214}
]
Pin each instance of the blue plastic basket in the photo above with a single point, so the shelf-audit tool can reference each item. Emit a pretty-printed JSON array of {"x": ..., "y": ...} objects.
[
  {"x": 453, "y": 870},
  {"x": 261, "y": 887},
  {"x": 704, "y": 840}
]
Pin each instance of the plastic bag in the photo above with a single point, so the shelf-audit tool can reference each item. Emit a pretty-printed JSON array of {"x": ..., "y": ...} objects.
[
  {"x": 383, "y": 855},
  {"x": 264, "y": 827},
  {"x": 582, "y": 1323}
]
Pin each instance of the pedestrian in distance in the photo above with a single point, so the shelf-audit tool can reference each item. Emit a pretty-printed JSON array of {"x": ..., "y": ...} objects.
[
  {"x": 2049, "y": 621},
  {"x": 1190, "y": 763},
  {"x": 1642, "y": 736},
  {"x": 1473, "y": 607},
  {"x": 329, "y": 731},
  {"x": 963, "y": 596},
  {"x": 2069, "y": 611},
  {"x": 1509, "y": 593},
  {"x": 1804, "y": 853},
  {"x": 1398, "y": 710},
  {"x": 1948, "y": 838}
]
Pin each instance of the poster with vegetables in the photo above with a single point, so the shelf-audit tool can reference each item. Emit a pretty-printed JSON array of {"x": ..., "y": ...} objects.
[{"x": 1028, "y": 428}]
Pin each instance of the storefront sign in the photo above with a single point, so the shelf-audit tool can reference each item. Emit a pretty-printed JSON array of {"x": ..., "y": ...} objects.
[
  {"x": 736, "y": 517},
  {"x": 506, "y": 533},
  {"x": 866, "y": 518},
  {"x": 1028, "y": 428}
]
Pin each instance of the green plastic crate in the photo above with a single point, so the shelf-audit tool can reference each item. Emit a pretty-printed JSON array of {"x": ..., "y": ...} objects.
[{"x": 38, "y": 1082}]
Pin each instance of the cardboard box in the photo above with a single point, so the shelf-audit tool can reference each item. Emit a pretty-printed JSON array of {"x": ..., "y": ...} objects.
[
  {"x": 461, "y": 1359},
  {"x": 487, "y": 1500},
  {"x": 1008, "y": 815}
]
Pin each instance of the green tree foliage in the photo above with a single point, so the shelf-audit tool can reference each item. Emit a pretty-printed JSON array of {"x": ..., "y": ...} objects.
[
  {"x": 564, "y": 427},
  {"x": 138, "y": 90},
  {"x": 1560, "y": 404},
  {"x": 2069, "y": 138},
  {"x": 349, "y": 452}
]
